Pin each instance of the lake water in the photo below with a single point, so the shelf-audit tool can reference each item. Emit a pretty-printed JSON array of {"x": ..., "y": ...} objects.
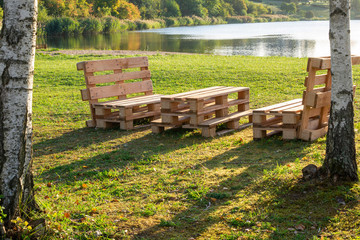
[{"x": 292, "y": 39}]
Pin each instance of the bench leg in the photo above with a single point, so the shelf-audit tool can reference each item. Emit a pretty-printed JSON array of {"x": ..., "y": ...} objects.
[
  {"x": 234, "y": 124},
  {"x": 90, "y": 123},
  {"x": 102, "y": 123},
  {"x": 157, "y": 129},
  {"x": 208, "y": 131},
  {"x": 289, "y": 134},
  {"x": 258, "y": 134},
  {"x": 126, "y": 125}
]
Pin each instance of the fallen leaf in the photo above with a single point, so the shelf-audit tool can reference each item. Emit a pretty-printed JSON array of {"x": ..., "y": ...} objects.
[
  {"x": 46, "y": 197},
  {"x": 48, "y": 184},
  {"x": 67, "y": 215},
  {"x": 300, "y": 227},
  {"x": 77, "y": 202}
]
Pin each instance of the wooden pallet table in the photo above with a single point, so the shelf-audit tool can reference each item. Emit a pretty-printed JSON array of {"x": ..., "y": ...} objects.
[{"x": 204, "y": 109}]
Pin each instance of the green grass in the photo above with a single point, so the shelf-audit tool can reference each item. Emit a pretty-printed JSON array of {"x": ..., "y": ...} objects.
[{"x": 113, "y": 184}]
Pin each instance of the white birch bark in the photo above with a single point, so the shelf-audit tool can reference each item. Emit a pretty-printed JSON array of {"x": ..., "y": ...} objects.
[
  {"x": 340, "y": 161},
  {"x": 17, "y": 56}
]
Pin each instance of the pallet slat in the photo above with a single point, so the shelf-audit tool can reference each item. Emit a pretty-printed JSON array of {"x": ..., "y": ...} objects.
[{"x": 118, "y": 77}]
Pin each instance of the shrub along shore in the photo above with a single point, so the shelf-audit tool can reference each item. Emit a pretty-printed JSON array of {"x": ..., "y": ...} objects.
[{"x": 91, "y": 25}]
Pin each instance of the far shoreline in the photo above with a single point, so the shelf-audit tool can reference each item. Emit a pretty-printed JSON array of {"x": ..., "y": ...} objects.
[{"x": 109, "y": 52}]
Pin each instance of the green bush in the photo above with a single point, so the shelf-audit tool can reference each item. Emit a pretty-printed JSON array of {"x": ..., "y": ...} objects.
[
  {"x": 309, "y": 14},
  {"x": 131, "y": 25},
  {"x": 92, "y": 25},
  {"x": 217, "y": 20},
  {"x": 149, "y": 24},
  {"x": 240, "y": 19},
  {"x": 63, "y": 26},
  {"x": 198, "y": 20},
  {"x": 113, "y": 24},
  {"x": 172, "y": 22},
  {"x": 189, "y": 21}
]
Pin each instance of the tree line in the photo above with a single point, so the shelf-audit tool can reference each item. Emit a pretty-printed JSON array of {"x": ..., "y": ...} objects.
[{"x": 149, "y": 9}]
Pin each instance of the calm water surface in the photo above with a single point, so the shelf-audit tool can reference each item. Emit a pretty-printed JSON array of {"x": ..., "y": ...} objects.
[{"x": 292, "y": 39}]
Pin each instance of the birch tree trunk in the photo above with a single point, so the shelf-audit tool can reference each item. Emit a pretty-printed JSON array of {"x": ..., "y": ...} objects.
[
  {"x": 340, "y": 161},
  {"x": 17, "y": 56}
]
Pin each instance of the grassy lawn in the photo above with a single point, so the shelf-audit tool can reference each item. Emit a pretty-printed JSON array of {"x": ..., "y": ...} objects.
[{"x": 113, "y": 184}]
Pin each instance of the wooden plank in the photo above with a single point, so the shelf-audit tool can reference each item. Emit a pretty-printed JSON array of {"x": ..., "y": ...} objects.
[
  {"x": 230, "y": 117},
  {"x": 325, "y": 62},
  {"x": 119, "y": 77},
  {"x": 355, "y": 60},
  {"x": 319, "y": 79},
  {"x": 80, "y": 66},
  {"x": 318, "y": 99},
  {"x": 85, "y": 96},
  {"x": 216, "y": 93},
  {"x": 269, "y": 122},
  {"x": 180, "y": 95},
  {"x": 289, "y": 108},
  {"x": 117, "y": 89},
  {"x": 294, "y": 110},
  {"x": 113, "y": 64},
  {"x": 290, "y": 118},
  {"x": 139, "y": 115},
  {"x": 137, "y": 87},
  {"x": 130, "y": 102},
  {"x": 268, "y": 108}
]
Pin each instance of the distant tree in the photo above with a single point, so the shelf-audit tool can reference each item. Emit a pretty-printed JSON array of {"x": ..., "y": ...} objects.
[
  {"x": 171, "y": 8},
  {"x": 55, "y": 8},
  {"x": 289, "y": 8},
  {"x": 78, "y": 8},
  {"x": 119, "y": 8},
  {"x": 239, "y": 6},
  {"x": 149, "y": 9},
  {"x": 192, "y": 7},
  {"x": 126, "y": 10}
]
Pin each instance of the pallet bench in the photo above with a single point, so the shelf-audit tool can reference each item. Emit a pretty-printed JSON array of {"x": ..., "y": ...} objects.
[
  {"x": 204, "y": 109},
  {"x": 305, "y": 118},
  {"x": 126, "y": 96}
]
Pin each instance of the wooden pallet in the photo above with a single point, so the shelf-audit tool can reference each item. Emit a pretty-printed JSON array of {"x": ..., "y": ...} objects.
[
  {"x": 209, "y": 105},
  {"x": 125, "y": 109},
  {"x": 283, "y": 117},
  {"x": 305, "y": 118}
]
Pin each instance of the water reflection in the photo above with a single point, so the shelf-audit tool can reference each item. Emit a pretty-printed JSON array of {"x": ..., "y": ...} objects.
[{"x": 296, "y": 39}]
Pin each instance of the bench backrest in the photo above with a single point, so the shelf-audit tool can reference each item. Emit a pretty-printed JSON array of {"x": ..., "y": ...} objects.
[
  {"x": 100, "y": 83},
  {"x": 317, "y": 100}
]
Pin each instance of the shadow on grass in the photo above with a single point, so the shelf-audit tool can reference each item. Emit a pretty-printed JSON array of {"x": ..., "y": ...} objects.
[
  {"x": 144, "y": 150},
  {"x": 260, "y": 202},
  {"x": 79, "y": 138}
]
